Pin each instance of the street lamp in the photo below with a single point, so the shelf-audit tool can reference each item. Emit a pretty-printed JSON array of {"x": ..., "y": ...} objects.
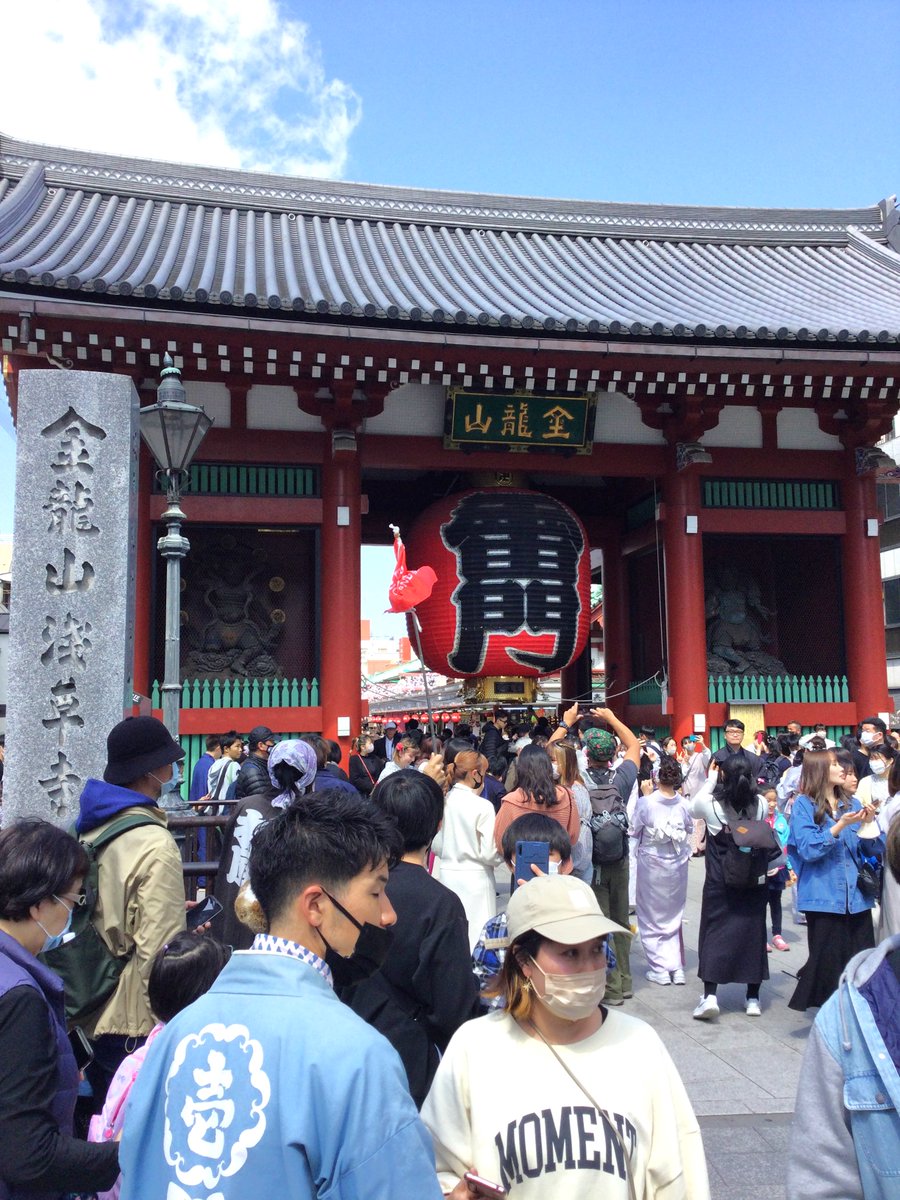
[{"x": 173, "y": 430}]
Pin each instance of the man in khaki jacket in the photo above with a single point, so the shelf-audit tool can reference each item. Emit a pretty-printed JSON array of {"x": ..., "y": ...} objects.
[{"x": 140, "y": 902}]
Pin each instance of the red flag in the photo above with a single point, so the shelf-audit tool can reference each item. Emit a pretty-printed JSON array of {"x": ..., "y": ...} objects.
[{"x": 408, "y": 588}]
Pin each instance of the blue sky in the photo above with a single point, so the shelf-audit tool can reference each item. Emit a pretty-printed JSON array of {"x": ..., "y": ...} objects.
[{"x": 789, "y": 103}]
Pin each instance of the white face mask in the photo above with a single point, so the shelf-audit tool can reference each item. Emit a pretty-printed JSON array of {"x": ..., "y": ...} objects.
[
  {"x": 572, "y": 997},
  {"x": 877, "y": 766},
  {"x": 555, "y": 769},
  {"x": 553, "y": 869},
  {"x": 868, "y": 739}
]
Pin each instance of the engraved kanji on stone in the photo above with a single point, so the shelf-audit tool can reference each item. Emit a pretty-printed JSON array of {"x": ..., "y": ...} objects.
[
  {"x": 64, "y": 704},
  {"x": 69, "y": 505},
  {"x": 74, "y": 434},
  {"x": 62, "y": 785},
  {"x": 68, "y": 641},
  {"x": 70, "y": 578}
]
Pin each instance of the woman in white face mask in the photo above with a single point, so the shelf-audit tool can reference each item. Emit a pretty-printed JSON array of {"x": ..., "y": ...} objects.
[
  {"x": 42, "y": 870},
  {"x": 590, "y": 1104},
  {"x": 873, "y": 789}
]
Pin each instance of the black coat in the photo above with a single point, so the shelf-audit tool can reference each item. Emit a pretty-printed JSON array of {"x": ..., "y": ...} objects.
[
  {"x": 253, "y": 779},
  {"x": 426, "y": 988},
  {"x": 364, "y": 771}
]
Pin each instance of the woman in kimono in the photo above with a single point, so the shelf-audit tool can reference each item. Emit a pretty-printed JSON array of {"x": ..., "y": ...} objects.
[
  {"x": 662, "y": 824},
  {"x": 465, "y": 842}
]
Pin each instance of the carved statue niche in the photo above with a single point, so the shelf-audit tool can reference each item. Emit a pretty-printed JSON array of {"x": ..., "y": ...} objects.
[
  {"x": 242, "y": 633},
  {"x": 735, "y": 634}
]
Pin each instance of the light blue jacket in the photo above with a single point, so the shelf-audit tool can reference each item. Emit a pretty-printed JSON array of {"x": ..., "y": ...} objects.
[
  {"x": 845, "y": 1143},
  {"x": 827, "y": 866},
  {"x": 268, "y": 1087}
]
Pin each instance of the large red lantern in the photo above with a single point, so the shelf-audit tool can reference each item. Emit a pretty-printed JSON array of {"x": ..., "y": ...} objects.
[{"x": 512, "y": 595}]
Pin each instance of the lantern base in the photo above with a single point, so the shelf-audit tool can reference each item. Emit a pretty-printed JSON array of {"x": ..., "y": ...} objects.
[{"x": 500, "y": 689}]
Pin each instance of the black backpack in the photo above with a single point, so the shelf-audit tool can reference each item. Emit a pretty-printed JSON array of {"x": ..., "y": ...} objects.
[
  {"x": 88, "y": 968},
  {"x": 609, "y": 823},
  {"x": 749, "y": 846}
]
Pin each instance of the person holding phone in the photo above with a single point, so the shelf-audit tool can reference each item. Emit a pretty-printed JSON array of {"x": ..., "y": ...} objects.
[
  {"x": 593, "y": 1105},
  {"x": 42, "y": 870},
  {"x": 824, "y": 847}
]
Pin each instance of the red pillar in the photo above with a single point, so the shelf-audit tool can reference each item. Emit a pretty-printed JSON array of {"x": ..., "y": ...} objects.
[
  {"x": 339, "y": 671},
  {"x": 685, "y": 601},
  {"x": 863, "y": 606}
]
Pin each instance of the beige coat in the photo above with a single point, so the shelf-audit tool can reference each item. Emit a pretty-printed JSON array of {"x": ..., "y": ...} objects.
[{"x": 140, "y": 906}]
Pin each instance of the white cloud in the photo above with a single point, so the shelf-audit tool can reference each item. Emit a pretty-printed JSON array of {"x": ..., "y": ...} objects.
[{"x": 234, "y": 83}]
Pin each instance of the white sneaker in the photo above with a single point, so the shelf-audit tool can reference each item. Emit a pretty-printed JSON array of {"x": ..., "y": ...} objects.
[
  {"x": 678, "y": 977},
  {"x": 752, "y": 1009},
  {"x": 660, "y": 977},
  {"x": 707, "y": 1009}
]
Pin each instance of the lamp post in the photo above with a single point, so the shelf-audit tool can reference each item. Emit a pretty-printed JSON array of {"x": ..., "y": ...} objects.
[{"x": 173, "y": 430}]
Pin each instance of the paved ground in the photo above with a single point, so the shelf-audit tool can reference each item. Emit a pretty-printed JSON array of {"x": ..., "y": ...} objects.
[{"x": 740, "y": 1072}]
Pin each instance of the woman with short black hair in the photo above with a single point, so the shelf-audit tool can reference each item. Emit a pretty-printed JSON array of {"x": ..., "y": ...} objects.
[{"x": 42, "y": 869}]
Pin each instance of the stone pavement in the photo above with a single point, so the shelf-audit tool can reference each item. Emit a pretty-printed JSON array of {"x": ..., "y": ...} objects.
[{"x": 740, "y": 1072}]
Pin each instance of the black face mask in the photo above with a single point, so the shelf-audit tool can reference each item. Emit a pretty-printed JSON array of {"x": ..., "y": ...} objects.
[{"x": 371, "y": 950}]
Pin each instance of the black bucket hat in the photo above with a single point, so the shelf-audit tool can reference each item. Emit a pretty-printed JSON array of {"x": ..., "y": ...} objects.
[{"x": 138, "y": 745}]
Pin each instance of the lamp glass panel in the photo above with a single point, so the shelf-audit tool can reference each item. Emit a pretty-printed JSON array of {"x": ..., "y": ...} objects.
[{"x": 174, "y": 433}]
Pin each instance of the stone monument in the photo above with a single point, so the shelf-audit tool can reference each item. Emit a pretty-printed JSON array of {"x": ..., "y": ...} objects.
[{"x": 72, "y": 601}]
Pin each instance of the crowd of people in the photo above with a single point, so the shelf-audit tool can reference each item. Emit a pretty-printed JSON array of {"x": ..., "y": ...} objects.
[{"x": 367, "y": 1015}]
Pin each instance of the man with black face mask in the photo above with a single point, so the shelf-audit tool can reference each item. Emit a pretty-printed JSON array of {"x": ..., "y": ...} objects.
[
  {"x": 268, "y": 1076},
  {"x": 140, "y": 902}
]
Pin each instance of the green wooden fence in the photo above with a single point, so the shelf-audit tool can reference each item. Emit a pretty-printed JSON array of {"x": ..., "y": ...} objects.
[
  {"x": 243, "y": 693},
  {"x": 771, "y": 493},
  {"x": 250, "y": 479},
  {"x": 716, "y": 737},
  {"x": 779, "y": 689}
]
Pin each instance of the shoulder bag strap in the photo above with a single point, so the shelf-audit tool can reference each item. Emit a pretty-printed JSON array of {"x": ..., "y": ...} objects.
[
  {"x": 365, "y": 768},
  {"x": 632, "y": 1193}
]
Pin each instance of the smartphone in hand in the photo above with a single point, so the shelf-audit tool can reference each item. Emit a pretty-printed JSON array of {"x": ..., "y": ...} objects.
[
  {"x": 203, "y": 912},
  {"x": 528, "y": 853},
  {"x": 81, "y": 1048},
  {"x": 484, "y": 1187}
]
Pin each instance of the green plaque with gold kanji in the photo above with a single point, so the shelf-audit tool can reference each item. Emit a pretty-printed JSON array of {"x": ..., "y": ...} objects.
[{"x": 519, "y": 420}]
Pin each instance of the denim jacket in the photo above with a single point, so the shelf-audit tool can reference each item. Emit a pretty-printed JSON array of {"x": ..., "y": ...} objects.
[
  {"x": 848, "y": 1095},
  {"x": 827, "y": 866}
]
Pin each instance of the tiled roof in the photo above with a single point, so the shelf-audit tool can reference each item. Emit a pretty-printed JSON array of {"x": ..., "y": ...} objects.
[{"x": 183, "y": 236}]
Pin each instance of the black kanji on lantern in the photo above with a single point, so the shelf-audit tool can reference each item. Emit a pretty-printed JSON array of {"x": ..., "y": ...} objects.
[{"x": 517, "y": 559}]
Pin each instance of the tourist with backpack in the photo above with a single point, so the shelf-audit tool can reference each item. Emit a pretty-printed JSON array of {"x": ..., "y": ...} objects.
[
  {"x": 826, "y": 851},
  {"x": 740, "y": 847},
  {"x": 139, "y": 897},
  {"x": 42, "y": 870},
  {"x": 610, "y": 792},
  {"x": 662, "y": 824}
]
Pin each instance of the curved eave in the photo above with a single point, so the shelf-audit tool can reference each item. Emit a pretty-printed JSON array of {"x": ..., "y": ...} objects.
[{"x": 108, "y": 243}]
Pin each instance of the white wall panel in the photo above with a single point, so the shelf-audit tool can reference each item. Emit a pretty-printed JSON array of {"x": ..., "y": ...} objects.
[
  {"x": 213, "y": 398},
  {"x": 412, "y": 410},
  {"x": 618, "y": 419},
  {"x": 798, "y": 429},
  {"x": 273, "y": 407},
  {"x": 738, "y": 426}
]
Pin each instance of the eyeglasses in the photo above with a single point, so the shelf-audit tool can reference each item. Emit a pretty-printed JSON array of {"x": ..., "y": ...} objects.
[{"x": 78, "y": 901}]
